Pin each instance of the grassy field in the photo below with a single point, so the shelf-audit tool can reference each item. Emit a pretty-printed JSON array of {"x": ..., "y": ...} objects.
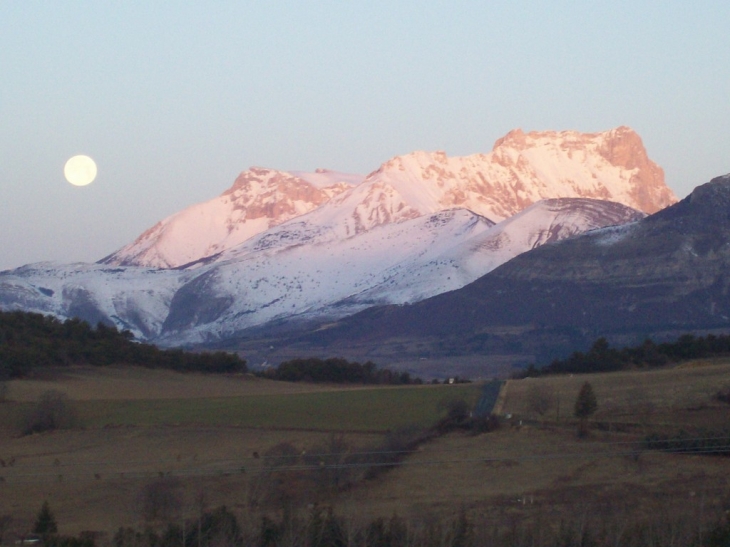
[
  {"x": 681, "y": 395},
  {"x": 375, "y": 409},
  {"x": 138, "y": 424},
  {"x": 210, "y": 432},
  {"x": 536, "y": 467},
  {"x": 143, "y": 397},
  {"x": 135, "y": 383}
]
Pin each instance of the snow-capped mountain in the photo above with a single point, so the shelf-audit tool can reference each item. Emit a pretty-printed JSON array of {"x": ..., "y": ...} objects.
[
  {"x": 658, "y": 278},
  {"x": 258, "y": 200},
  {"x": 295, "y": 246},
  {"x": 522, "y": 169},
  {"x": 274, "y": 276}
]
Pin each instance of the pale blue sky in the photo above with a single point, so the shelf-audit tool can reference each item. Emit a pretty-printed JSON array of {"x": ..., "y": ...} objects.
[{"x": 174, "y": 99}]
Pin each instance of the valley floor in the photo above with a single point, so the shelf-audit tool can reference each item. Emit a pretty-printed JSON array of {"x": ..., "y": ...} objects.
[{"x": 533, "y": 469}]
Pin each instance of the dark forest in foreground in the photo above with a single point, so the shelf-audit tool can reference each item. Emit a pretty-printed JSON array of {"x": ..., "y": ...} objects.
[{"x": 32, "y": 340}]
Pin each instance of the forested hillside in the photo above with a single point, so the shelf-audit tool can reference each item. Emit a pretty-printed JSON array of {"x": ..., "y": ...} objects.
[
  {"x": 29, "y": 341},
  {"x": 602, "y": 358},
  {"x": 337, "y": 371}
]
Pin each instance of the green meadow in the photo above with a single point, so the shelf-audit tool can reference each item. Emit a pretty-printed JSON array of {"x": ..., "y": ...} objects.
[{"x": 354, "y": 410}]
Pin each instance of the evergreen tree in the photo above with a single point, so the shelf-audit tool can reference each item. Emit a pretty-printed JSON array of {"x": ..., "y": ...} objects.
[{"x": 45, "y": 523}]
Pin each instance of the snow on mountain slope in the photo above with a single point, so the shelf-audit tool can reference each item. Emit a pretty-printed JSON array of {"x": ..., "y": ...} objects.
[
  {"x": 394, "y": 263},
  {"x": 132, "y": 298},
  {"x": 544, "y": 222},
  {"x": 278, "y": 245},
  {"x": 325, "y": 178},
  {"x": 251, "y": 287},
  {"x": 290, "y": 273},
  {"x": 258, "y": 200}
]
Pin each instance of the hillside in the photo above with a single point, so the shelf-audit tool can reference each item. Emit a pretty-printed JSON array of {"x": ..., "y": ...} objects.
[
  {"x": 662, "y": 276},
  {"x": 299, "y": 272}
]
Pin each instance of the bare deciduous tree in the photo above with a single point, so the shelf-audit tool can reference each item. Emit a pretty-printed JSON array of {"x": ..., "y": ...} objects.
[
  {"x": 282, "y": 482},
  {"x": 331, "y": 459}
]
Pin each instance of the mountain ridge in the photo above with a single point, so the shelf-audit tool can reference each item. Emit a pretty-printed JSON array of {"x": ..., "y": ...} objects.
[
  {"x": 259, "y": 199},
  {"x": 279, "y": 250},
  {"x": 274, "y": 276},
  {"x": 522, "y": 169},
  {"x": 664, "y": 273}
]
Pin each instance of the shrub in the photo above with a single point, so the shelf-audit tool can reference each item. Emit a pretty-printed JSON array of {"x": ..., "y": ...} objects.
[
  {"x": 723, "y": 395},
  {"x": 540, "y": 398},
  {"x": 585, "y": 404},
  {"x": 161, "y": 500},
  {"x": 485, "y": 424},
  {"x": 52, "y": 411},
  {"x": 457, "y": 414},
  {"x": 396, "y": 446}
]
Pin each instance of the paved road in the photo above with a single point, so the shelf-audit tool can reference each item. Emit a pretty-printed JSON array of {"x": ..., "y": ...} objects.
[{"x": 490, "y": 393}]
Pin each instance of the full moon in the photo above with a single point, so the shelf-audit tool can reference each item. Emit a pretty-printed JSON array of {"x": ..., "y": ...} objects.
[{"x": 80, "y": 170}]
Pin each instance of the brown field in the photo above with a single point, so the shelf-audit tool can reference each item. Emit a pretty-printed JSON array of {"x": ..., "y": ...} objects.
[
  {"x": 533, "y": 471},
  {"x": 92, "y": 477},
  {"x": 681, "y": 395},
  {"x": 134, "y": 383}
]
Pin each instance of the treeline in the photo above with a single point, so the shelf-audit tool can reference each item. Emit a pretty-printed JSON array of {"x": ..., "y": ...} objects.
[
  {"x": 31, "y": 340},
  {"x": 337, "y": 371},
  {"x": 603, "y": 358},
  {"x": 323, "y": 527}
]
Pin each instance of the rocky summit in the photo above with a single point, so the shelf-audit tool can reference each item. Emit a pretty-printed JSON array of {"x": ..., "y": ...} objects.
[{"x": 522, "y": 169}]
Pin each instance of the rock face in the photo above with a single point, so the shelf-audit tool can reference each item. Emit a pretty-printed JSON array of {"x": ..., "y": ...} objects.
[
  {"x": 665, "y": 273},
  {"x": 258, "y": 200},
  {"x": 522, "y": 169}
]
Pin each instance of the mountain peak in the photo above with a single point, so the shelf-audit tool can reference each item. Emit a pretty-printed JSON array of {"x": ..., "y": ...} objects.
[
  {"x": 259, "y": 199},
  {"x": 523, "y": 168},
  {"x": 515, "y": 138}
]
